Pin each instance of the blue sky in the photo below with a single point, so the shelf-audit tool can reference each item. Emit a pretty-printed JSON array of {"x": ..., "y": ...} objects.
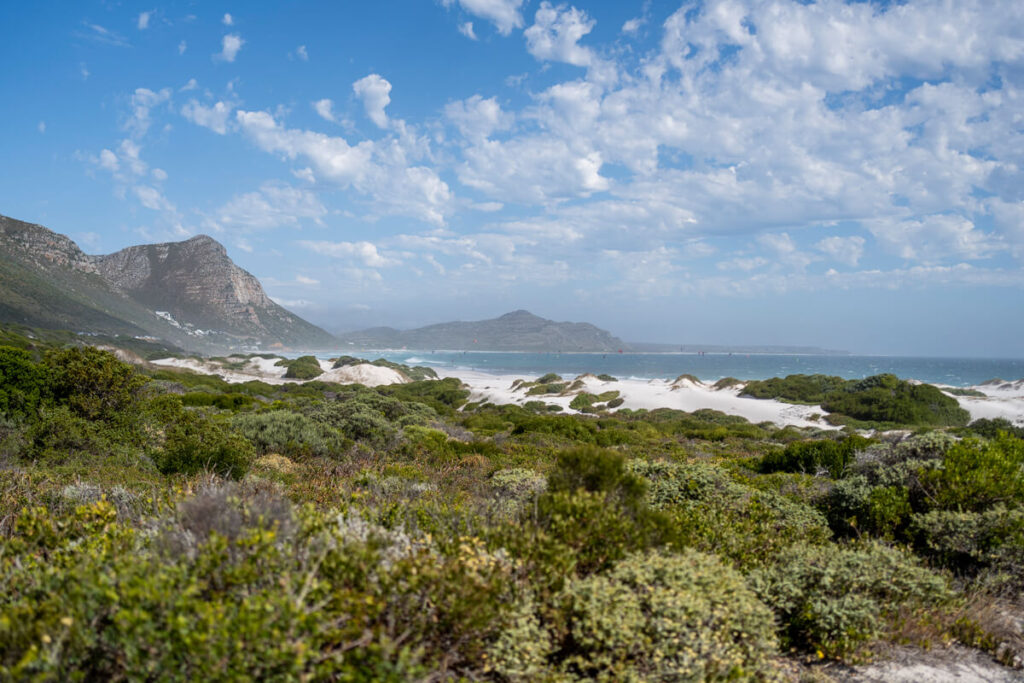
[{"x": 848, "y": 175}]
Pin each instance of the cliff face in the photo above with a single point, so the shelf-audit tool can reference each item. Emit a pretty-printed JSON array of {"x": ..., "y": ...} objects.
[{"x": 190, "y": 293}]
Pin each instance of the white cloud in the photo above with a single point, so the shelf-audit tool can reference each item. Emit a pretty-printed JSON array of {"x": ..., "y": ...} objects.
[
  {"x": 143, "y": 101},
  {"x": 848, "y": 250},
  {"x": 103, "y": 35},
  {"x": 301, "y": 53},
  {"x": 504, "y": 14},
  {"x": 631, "y": 26},
  {"x": 230, "y": 45},
  {"x": 108, "y": 161},
  {"x": 152, "y": 198},
  {"x": 182, "y": 46},
  {"x": 191, "y": 85},
  {"x": 227, "y": 20},
  {"x": 365, "y": 252},
  {"x": 374, "y": 91},
  {"x": 143, "y": 22},
  {"x": 293, "y": 303},
  {"x": 41, "y": 126},
  {"x": 383, "y": 170},
  {"x": 933, "y": 238},
  {"x": 307, "y": 281},
  {"x": 556, "y": 33},
  {"x": 477, "y": 118},
  {"x": 159, "y": 174},
  {"x": 466, "y": 29},
  {"x": 214, "y": 117},
  {"x": 274, "y": 205},
  {"x": 325, "y": 108}
]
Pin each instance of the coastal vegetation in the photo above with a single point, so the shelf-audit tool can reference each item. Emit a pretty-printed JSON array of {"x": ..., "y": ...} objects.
[
  {"x": 879, "y": 399},
  {"x": 166, "y": 524}
]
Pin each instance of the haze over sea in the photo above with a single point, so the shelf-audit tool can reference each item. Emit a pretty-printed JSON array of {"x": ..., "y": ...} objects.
[{"x": 712, "y": 367}]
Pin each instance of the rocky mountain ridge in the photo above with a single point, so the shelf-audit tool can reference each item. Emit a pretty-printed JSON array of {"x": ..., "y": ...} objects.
[
  {"x": 516, "y": 331},
  {"x": 189, "y": 293}
]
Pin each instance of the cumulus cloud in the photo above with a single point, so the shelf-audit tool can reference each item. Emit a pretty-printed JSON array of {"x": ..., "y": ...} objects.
[
  {"x": 231, "y": 43},
  {"x": 215, "y": 117},
  {"x": 477, "y": 118},
  {"x": 375, "y": 92},
  {"x": 325, "y": 109},
  {"x": 273, "y": 205},
  {"x": 504, "y": 14},
  {"x": 143, "y": 101},
  {"x": 227, "y": 20},
  {"x": 301, "y": 53},
  {"x": 848, "y": 250},
  {"x": 143, "y": 21},
  {"x": 466, "y": 29},
  {"x": 383, "y": 171},
  {"x": 556, "y": 32},
  {"x": 364, "y": 252},
  {"x": 182, "y": 46}
]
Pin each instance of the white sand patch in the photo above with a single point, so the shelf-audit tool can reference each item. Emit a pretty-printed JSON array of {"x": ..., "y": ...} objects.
[
  {"x": 648, "y": 394},
  {"x": 325, "y": 365},
  {"x": 365, "y": 374},
  {"x": 265, "y": 370}
]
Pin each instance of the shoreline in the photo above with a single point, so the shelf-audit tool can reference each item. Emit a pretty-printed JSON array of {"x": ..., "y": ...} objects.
[{"x": 1003, "y": 400}]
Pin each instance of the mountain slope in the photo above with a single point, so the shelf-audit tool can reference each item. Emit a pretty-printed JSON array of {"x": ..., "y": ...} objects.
[
  {"x": 187, "y": 293},
  {"x": 196, "y": 281},
  {"x": 516, "y": 331}
]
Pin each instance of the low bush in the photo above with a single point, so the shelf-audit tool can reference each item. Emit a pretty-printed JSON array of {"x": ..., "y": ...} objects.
[
  {"x": 810, "y": 457},
  {"x": 664, "y": 617},
  {"x": 834, "y": 600},
  {"x": 303, "y": 367},
  {"x": 22, "y": 383},
  {"x": 290, "y": 434},
  {"x": 197, "y": 443}
]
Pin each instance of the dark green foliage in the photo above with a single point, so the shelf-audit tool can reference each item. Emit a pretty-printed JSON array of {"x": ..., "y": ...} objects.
[
  {"x": 564, "y": 426},
  {"x": 290, "y": 434},
  {"x": 616, "y": 402},
  {"x": 443, "y": 395},
  {"x": 22, "y": 383},
  {"x": 606, "y": 378},
  {"x": 885, "y": 398},
  {"x": 550, "y": 388},
  {"x": 227, "y": 401},
  {"x": 197, "y": 443},
  {"x": 303, "y": 367},
  {"x": 833, "y": 600},
  {"x": 880, "y": 398},
  {"x": 795, "y": 388},
  {"x": 811, "y": 456},
  {"x": 549, "y": 378},
  {"x": 990, "y": 428},
  {"x": 976, "y": 475},
  {"x": 94, "y": 384}
]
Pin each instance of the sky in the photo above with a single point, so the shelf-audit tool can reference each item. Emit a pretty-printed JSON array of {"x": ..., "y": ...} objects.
[{"x": 840, "y": 174}]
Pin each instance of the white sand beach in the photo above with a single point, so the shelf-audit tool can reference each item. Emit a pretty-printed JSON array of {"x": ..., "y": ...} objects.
[{"x": 1001, "y": 399}]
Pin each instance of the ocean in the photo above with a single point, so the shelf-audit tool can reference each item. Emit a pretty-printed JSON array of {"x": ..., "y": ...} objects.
[{"x": 712, "y": 367}]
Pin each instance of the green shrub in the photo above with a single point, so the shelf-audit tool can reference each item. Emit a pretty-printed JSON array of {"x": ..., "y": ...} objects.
[
  {"x": 885, "y": 398},
  {"x": 664, "y": 617},
  {"x": 290, "y": 434},
  {"x": 582, "y": 401},
  {"x": 226, "y": 401},
  {"x": 795, "y": 388},
  {"x": 715, "y": 514},
  {"x": 443, "y": 395},
  {"x": 811, "y": 456},
  {"x": 61, "y": 435},
  {"x": 606, "y": 378},
  {"x": 303, "y": 367},
  {"x": 976, "y": 475},
  {"x": 833, "y": 600},
  {"x": 990, "y": 428},
  {"x": 94, "y": 384},
  {"x": 196, "y": 443},
  {"x": 22, "y": 383},
  {"x": 970, "y": 542},
  {"x": 616, "y": 402}
]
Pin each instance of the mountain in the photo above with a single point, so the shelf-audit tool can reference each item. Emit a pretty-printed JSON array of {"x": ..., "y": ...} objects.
[
  {"x": 516, "y": 331},
  {"x": 187, "y": 293}
]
